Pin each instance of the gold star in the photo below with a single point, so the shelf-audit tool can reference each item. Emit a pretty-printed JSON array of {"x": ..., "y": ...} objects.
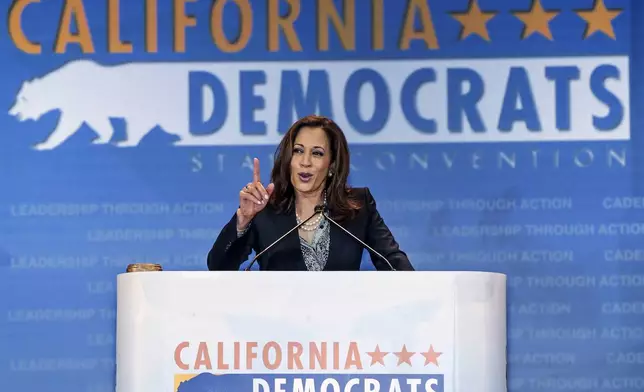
[
  {"x": 536, "y": 20},
  {"x": 377, "y": 356},
  {"x": 404, "y": 356},
  {"x": 431, "y": 356},
  {"x": 474, "y": 21},
  {"x": 599, "y": 19}
]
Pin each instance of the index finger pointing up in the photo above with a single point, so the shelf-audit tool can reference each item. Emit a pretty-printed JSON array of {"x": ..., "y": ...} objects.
[{"x": 256, "y": 177}]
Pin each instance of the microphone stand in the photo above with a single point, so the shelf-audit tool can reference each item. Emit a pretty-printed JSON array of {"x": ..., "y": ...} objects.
[
  {"x": 358, "y": 239},
  {"x": 318, "y": 209}
]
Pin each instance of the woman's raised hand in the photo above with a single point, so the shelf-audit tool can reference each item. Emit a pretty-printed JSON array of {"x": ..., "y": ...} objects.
[{"x": 252, "y": 198}]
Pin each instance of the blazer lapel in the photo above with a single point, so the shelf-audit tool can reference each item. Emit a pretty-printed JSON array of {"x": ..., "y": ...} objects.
[{"x": 292, "y": 241}]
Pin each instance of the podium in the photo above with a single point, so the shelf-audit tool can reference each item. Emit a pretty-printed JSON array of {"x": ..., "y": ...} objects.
[{"x": 367, "y": 331}]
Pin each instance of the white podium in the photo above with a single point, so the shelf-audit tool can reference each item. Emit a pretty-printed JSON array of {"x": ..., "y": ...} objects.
[{"x": 361, "y": 331}]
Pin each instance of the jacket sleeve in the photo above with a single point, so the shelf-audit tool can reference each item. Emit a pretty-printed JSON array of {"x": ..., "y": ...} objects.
[
  {"x": 380, "y": 238},
  {"x": 230, "y": 250}
]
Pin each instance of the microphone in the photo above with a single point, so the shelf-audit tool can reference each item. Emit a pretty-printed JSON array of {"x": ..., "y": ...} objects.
[
  {"x": 317, "y": 210},
  {"x": 356, "y": 238}
]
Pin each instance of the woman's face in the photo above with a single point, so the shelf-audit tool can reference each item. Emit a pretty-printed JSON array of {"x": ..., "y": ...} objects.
[{"x": 310, "y": 160}]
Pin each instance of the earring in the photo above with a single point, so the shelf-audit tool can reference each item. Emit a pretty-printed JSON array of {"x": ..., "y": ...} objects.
[{"x": 330, "y": 173}]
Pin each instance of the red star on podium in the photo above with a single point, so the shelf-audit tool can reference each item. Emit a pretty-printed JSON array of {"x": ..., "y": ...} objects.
[
  {"x": 431, "y": 356},
  {"x": 377, "y": 356},
  {"x": 404, "y": 356}
]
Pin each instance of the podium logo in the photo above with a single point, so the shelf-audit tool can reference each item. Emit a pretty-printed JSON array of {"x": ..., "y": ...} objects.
[{"x": 310, "y": 366}]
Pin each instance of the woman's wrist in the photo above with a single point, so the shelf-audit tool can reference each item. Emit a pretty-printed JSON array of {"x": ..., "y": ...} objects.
[{"x": 242, "y": 222}]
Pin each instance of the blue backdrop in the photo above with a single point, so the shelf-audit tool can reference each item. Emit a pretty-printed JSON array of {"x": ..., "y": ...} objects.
[{"x": 496, "y": 135}]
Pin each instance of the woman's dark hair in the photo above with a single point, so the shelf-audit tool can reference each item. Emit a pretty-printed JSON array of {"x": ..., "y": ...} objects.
[{"x": 339, "y": 198}]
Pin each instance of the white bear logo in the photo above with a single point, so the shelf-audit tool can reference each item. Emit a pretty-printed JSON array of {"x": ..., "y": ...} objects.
[{"x": 86, "y": 92}]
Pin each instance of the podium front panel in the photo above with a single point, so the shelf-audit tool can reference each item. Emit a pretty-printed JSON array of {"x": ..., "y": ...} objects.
[{"x": 310, "y": 332}]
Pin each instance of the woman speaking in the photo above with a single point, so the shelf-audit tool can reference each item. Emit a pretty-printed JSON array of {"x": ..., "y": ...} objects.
[{"x": 311, "y": 170}]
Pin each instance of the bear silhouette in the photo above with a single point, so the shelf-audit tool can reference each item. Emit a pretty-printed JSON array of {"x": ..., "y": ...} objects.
[{"x": 85, "y": 92}]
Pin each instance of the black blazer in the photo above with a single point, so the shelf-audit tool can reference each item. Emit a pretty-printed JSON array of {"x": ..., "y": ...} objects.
[{"x": 345, "y": 253}]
